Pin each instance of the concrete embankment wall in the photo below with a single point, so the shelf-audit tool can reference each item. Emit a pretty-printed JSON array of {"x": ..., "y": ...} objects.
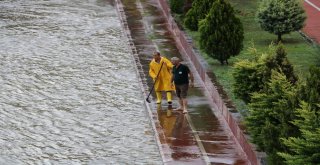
[
  {"x": 142, "y": 80},
  {"x": 187, "y": 50}
]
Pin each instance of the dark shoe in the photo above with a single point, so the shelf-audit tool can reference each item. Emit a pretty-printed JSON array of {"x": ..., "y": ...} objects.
[{"x": 169, "y": 102}]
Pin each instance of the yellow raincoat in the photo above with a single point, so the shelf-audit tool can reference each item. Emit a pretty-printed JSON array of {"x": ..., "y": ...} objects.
[{"x": 163, "y": 82}]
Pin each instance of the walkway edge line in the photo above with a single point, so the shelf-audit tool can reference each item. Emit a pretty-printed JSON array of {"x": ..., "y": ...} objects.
[
  {"x": 313, "y": 5},
  {"x": 187, "y": 51}
]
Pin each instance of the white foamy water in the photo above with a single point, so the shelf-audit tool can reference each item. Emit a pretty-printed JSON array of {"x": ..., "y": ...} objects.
[{"x": 69, "y": 91}]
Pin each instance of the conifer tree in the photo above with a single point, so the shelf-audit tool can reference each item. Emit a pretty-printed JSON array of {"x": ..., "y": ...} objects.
[
  {"x": 197, "y": 12},
  {"x": 270, "y": 115},
  {"x": 221, "y": 32},
  {"x": 280, "y": 62},
  {"x": 310, "y": 92},
  {"x": 306, "y": 148},
  {"x": 281, "y": 16},
  {"x": 251, "y": 76}
]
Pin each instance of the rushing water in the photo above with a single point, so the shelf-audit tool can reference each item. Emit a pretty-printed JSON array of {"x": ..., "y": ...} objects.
[{"x": 69, "y": 93}]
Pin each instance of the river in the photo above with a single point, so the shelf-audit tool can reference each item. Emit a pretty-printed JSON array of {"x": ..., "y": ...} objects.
[{"x": 69, "y": 93}]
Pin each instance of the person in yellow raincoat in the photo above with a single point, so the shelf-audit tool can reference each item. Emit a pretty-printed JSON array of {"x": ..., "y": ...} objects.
[{"x": 163, "y": 81}]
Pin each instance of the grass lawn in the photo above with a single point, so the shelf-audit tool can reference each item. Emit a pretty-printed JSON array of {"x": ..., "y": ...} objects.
[{"x": 301, "y": 53}]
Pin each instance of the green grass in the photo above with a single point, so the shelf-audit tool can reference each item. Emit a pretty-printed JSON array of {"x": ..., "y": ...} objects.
[{"x": 301, "y": 53}]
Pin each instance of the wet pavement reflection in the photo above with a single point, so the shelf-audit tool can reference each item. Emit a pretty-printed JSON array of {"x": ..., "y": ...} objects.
[
  {"x": 178, "y": 136},
  {"x": 199, "y": 137}
]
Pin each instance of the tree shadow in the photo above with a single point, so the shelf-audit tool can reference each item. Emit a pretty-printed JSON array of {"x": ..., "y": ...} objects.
[{"x": 267, "y": 42}]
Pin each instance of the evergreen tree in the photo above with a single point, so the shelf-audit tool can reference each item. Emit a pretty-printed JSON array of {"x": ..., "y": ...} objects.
[
  {"x": 198, "y": 12},
  {"x": 176, "y": 6},
  {"x": 270, "y": 115},
  {"x": 280, "y": 62},
  {"x": 306, "y": 148},
  {"x": 221, "y": 32},
  {"x": 251, "y": 76},
  {"x": 281, "y": 16},
  {"x": 310, "y": 92},
  {"x": 248, "y": 76}
]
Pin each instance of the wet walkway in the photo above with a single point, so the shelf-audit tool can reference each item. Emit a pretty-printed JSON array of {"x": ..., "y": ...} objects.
[
  {"x": 201, "y": 136},
  {"x": 312, "y": 28}
]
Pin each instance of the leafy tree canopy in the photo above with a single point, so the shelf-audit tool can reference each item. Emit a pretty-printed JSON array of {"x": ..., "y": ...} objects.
[{"x": 281, "y": 16}]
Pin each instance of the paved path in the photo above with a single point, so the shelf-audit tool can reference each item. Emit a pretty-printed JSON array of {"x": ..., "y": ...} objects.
[
  {"x": 199, "y": 137},
  {"x": 312, "y": 28}
]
